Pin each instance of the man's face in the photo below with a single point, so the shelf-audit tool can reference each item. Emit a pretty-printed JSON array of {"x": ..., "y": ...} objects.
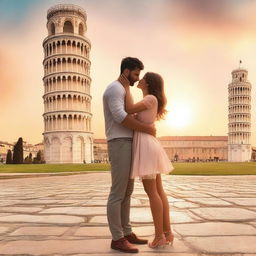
[{"x": 133, "y": 76}]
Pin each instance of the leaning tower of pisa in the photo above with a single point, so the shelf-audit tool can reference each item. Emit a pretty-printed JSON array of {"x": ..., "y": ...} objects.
[
  {"x": 67, "y": 100},
  {"x": 239, "y": 126}
]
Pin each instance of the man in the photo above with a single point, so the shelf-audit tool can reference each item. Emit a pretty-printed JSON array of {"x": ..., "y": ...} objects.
[{"x": 119, "y": 128}]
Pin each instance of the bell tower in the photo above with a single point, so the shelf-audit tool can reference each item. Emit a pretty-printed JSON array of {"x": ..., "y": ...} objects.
[
  {"x": 67, "y": 99},
  {"x": 239, "y": 125}
]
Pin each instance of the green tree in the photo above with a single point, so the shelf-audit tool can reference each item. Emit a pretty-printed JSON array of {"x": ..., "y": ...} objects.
[
  {"x": 26, "y": 160},
  {"x": 38, "y": 158},
  {"x": 30, "y": 158},
  {"x": 18, "y": 152},
  {"x": 9, "y": 157}
]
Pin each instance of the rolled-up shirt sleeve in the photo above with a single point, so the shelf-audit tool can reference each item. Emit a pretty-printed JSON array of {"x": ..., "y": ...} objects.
[{"x": 115, "y": 102}]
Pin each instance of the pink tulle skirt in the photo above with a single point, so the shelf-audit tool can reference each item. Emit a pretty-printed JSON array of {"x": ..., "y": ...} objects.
[{"x": 149, "y": 157}]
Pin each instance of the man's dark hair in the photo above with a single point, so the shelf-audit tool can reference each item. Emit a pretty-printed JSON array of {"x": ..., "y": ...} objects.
[{"x": 131, "y": 64}]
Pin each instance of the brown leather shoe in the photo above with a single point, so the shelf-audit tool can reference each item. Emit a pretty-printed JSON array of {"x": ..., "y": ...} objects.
[
  {"x": 133, "y": 239},
  {"x": 123, "y": 245}
]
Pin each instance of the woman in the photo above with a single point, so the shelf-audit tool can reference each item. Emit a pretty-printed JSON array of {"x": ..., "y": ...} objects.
[{"x": 149, "y": 157}]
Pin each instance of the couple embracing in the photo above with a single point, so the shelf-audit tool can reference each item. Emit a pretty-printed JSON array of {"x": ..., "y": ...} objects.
[{"x": 134, "y": 152}]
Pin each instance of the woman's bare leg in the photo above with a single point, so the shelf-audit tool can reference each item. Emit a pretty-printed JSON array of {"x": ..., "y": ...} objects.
[
  {"x": 155, "y": 205},
  {"x": 166, "y": 213}
]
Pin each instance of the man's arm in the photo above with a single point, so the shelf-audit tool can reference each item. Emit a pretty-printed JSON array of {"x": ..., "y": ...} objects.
[
  {"x": 132, "y": 123},
  {"x": 115, "y": 102}
]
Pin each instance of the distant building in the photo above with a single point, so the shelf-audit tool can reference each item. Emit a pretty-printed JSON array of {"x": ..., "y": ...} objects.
[
  {"x": 196, "y": 148},
  {"x": 181, "y": 148},
  {"x": 30, "y": 148},
  {"x": 100, "y": 150},
  {"x": 4, "y": 147},
  {"x": 178, "y": 148}
]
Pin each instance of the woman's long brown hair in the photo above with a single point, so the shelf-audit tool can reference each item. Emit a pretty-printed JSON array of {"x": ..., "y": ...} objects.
[{"x": 156, "y": 87}]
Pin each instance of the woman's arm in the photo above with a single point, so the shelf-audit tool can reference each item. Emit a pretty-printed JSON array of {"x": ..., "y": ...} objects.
[{"x": 130, "y": 107}]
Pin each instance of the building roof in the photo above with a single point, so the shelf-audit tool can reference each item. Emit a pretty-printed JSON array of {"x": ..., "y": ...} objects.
[
  {"x": 6, "y": 143},
  {"x": 25, "y": 143},
  {"x": 66, "y": 7},
  {"x": 179, "y": 138},
  {"x": 99, "y": 141},
  {"x": 194, "y": 138},
  {"x": 239, "y": 70},
  {"x": 39, "y": 144}
]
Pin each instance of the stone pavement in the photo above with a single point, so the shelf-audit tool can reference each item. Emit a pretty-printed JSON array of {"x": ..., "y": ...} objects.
[{"x": 66, "y": 215}]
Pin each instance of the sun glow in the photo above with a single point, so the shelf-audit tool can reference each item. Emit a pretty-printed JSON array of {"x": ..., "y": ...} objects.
[{"x": 179, "y": 115}]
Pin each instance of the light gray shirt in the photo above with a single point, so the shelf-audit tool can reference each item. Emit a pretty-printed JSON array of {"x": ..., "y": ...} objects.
[{"x": 114, "y": 112}]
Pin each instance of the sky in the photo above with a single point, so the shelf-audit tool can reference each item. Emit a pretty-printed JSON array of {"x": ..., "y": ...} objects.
[{"x": 193, "y": 44}]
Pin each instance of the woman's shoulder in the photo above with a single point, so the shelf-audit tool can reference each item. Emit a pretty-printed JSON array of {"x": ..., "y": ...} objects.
[
  {"x": 151, "y": 97},
  {"x": 150, "y": 100}
]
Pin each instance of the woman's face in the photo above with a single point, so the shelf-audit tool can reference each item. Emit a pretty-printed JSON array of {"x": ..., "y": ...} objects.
[{"x": 142, "y": 84}]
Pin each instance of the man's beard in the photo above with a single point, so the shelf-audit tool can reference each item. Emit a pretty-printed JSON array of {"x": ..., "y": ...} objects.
[{"x": 130, "y": 80}]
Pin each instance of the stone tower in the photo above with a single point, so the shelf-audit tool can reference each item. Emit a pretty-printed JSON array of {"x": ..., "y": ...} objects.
[
  {"x": 67, "y": 100},
  {"x": 239, "y": 126}
]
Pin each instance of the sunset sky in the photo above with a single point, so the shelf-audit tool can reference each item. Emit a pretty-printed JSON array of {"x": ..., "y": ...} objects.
[{"x": 193, "y": 44}]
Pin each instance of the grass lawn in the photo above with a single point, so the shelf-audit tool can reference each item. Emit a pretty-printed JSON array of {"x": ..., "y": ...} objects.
[
  {"x": 221, "y": 168},
  {"x": 44, "y": 168}
]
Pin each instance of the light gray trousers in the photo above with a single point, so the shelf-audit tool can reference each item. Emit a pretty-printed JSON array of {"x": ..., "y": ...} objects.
[{"x": 119, "y": 200}]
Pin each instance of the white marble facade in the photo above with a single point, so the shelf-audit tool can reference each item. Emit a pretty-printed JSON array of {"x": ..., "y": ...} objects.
[
  {"x": 239, "y": 126},
  {"x": 67, "y": 100}
]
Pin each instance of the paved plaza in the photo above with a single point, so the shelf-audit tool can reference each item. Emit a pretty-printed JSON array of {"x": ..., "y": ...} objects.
[{"x": 66, "y": 215}]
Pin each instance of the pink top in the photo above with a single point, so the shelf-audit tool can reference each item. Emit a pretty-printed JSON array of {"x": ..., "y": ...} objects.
[{"x": 149, "y": 115}]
